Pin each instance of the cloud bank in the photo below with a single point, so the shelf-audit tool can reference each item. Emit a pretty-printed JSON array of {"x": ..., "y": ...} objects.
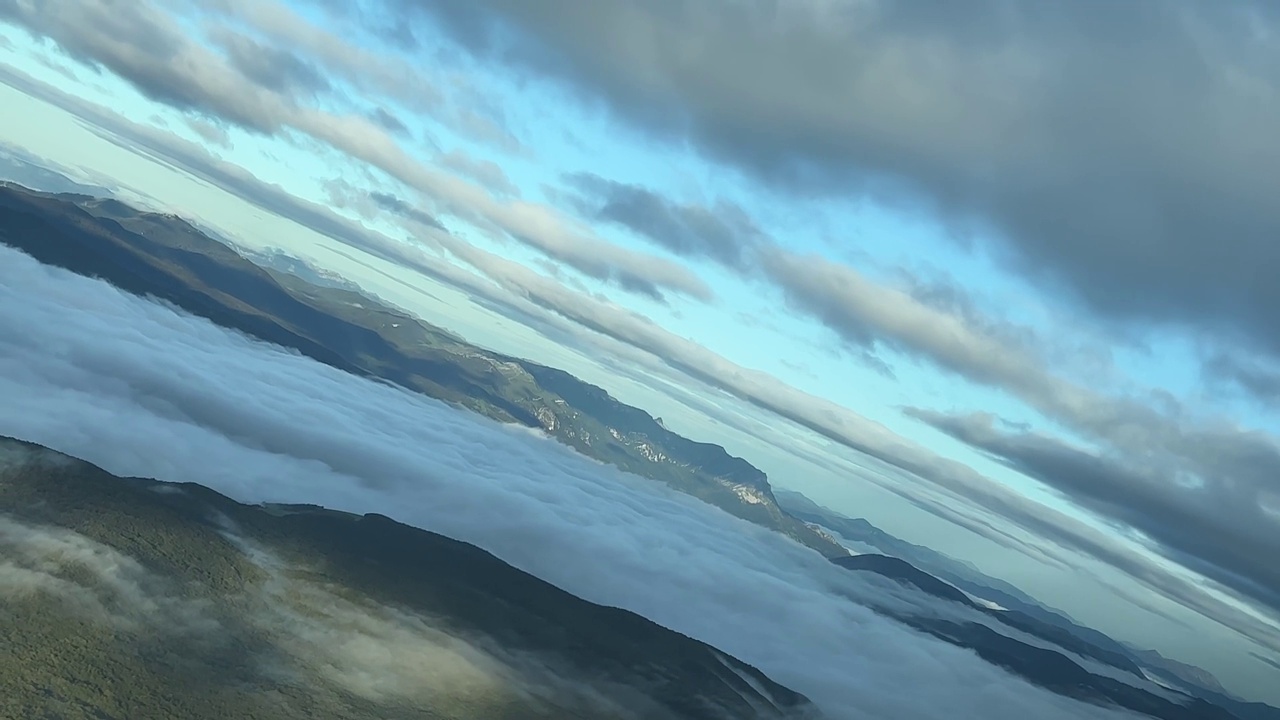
[{"x": 142, "y": 390}]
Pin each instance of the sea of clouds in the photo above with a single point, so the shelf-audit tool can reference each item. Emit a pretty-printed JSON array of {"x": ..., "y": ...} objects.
[{"x": 143, "y": 389}]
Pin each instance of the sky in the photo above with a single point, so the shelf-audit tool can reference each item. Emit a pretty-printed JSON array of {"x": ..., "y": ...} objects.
[{"x": 996, "y": 279}]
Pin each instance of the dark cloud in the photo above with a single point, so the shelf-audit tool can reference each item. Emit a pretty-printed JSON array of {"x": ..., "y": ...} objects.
[
  {"x": 486, "y": 172},
  {"x": 388, "y": 121},
  {"x": 1205, "y": 485},
  {"x": 393, "y": 204},
  {"x": 1126, "y": 150},
  {"x": 724, "y": 233},
  {"x": 1220, "y": 529},
  {"x": 174, "y": 68},
  {"x": 274, "y": 68}
]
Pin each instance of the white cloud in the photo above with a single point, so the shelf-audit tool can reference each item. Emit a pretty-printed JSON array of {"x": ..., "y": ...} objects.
[
  {"x": 143, "y": 390},
  {"x": 92, "y": 579}
]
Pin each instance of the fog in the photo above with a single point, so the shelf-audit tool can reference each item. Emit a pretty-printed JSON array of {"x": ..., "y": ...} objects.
[{"x": 144, "y": 390}]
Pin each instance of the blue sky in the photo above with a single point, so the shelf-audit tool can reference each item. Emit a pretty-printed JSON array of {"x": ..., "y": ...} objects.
[{"x": 535, "y": 129}]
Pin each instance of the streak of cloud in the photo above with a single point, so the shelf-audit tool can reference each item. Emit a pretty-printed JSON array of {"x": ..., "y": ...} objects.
[{"x": 148, "y": 48}]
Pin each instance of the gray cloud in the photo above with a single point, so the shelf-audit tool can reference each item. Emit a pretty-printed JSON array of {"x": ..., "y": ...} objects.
[
  {"x": 1215, "y": 473},
  {"x": 940, "y": 326},
  {"x": 486, "y": 172},
  {"x": 132, "y": 372},
  {"x": 1269, "y": 661},
  {"x": 724, "y": 233},
  {"x": 393, "y": 204},
  {"x": 388, "y": 121},
  {"x": 276, "y": 69},
  {"x": 1259, "y": 379},
  {"x": 1125, "y": 151},
  {"x": 168, "y": 65},
  {"x": 150, "y": 50},
  {"x": 1228, "y": 537}
]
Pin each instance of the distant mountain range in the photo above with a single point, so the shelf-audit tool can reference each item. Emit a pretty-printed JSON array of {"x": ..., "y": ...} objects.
[
  {"x": 284, "y": 301},
  {"x": 164, "y": 256},
  {"x": 958, "y": 582},
  {"x": 132, "y": 598}
]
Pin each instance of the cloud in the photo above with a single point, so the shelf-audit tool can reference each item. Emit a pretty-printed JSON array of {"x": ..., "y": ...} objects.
[
  {"x": 1215, "y": 473},
  {"x": 150, "y": 50},
  {"x": 1269, "y": 661},
  {"x": 724, "y": 233},
  {"x": 93, "y": 580},
  {"x": 1226, "y": 535},
  {"x": 1122, "y": 151},
  {"x": 968, "y": 498},
  {"x": 387, "y": 75},
  {"x": 393, "y": 204},
  {"x": 142, "y": 390},
  {"x": 162, "y": 61}
]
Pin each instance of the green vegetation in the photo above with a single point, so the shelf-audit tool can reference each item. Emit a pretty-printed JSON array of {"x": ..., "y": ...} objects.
[{"x": 133, "y": 599}]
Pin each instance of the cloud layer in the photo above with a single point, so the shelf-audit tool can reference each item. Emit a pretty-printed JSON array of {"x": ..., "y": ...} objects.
[
  {"x": 142, "y": 390},
  {"x": 1124, "y": 151},
  {"x": 867, "y": 314}
]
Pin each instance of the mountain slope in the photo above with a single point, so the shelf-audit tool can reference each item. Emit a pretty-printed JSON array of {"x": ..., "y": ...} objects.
[
  {"x": 170, "y": 600},
  {"x": 164, "y": 256}
]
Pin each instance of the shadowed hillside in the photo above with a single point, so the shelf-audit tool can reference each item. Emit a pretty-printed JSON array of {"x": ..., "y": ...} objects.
[{"x": 131, "y": 598}]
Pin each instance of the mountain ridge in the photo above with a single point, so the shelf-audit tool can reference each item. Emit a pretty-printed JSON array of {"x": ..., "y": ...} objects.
[
  {"x": 213, "y": 565},
  {"x": 165, "y": 256}
]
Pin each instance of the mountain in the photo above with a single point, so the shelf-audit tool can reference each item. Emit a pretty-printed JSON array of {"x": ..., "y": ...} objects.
[
  {"x": 164, "y": 256},
  {"x": 1017, "y": 609},
  {"x": 135, "y": 598},
  {"x": 1178, "y": 671},
  {"x": 1048, "y": 668}
]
